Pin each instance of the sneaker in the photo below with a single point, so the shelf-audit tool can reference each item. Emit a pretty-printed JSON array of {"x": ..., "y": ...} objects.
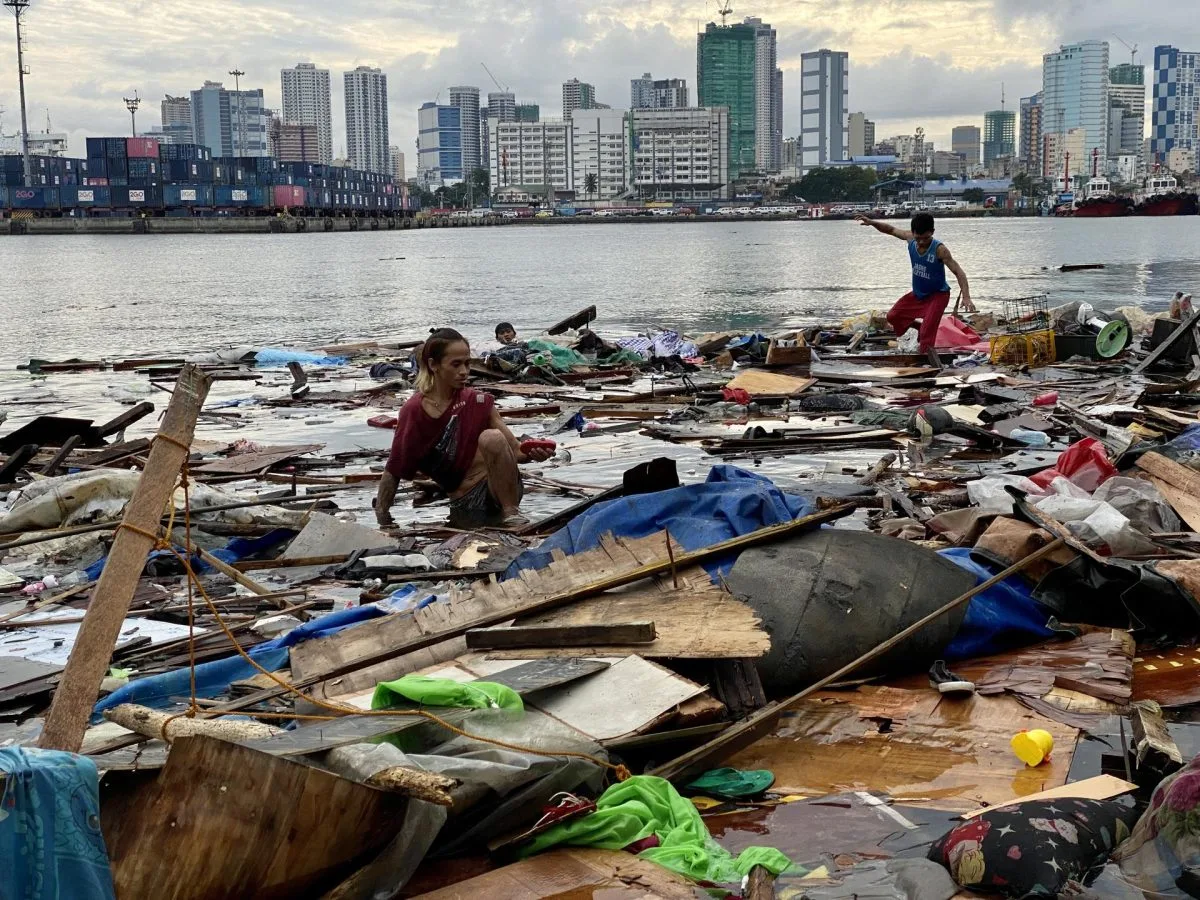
[{"x": 947, "y": 682}]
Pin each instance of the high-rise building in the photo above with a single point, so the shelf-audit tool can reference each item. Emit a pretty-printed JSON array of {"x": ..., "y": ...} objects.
[
  {"x": 528, "y": 112},
  {"x": 534, "y": 155},
  {"x": 999, "y": 135},
  {"x": 440, "y": 144},
  {"x": 725, "y": 76},
  {"x": 768, "y": 98},
  {"x": 396, "y": 164},
  {"x": 789, "y": 162},
  {"x": 1029, "y": 150},
  {"x": 1127, "y": 109},
  {"x": 1176, "y": 100},
  {"x": 860, "y": 133},
  {"x": 600, "y": 148},
  {"x": 367, "y": 119},
  {"x": 681, "y": 154},
  {"x": 964, "y": 139},
  {"x": 1065, "y": 152},
  {"x": 467, "y": 99},
  {"x": 306, "y": 102},
  {"x": 295, "y": 143},
  {"x": 664, "y": 93},
  {"x": 577, "y": 94},
  {"x": 231, "y": 123},
  {"x": 176, "y": 116},
  {"x": 1075, "y": 96},
  {"x": 952, "y": 164},
  {"x": 501, "y": 106},
  {"x": 824, "y": 97}
]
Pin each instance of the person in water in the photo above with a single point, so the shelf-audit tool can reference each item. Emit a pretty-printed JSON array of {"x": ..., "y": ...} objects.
[
  {"x": 505, "y": 333},
  {"x": 454, "y": 435},
  {"x": 930, "y": 293}
]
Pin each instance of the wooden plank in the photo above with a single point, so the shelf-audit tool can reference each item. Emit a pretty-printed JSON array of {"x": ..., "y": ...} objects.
[
  {"x": 180, "y": 538},
  {"x": 1184, "y": 329},
  {"x": 115, "y": 452},
  {"x": 1185, "y": 504},
  {"x": 19, "y": 460},
  {"x": 119, "y": 423},
  {"x": 1157, "y": 465},
  {"x": 248, "y": 463},
  {"x": 758, "y": 383},
  {"x": 561, "y": 635},
  {"x": 72, "y": 705},
  {"x": 577, "y": 321},
  {"x": 61, "y": 456},
  {"x": 225, "y": 820}
]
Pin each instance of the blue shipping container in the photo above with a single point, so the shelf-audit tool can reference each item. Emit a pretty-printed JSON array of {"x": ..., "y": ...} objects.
[
  {"x": 33, "y": 198},
  {"x": 147, "y": 197},
  {"x": 85, "y": 197},
  {"x": 143, "y": 168},
  {"x": 177, "y": 195},
  {"x": 184, "y": 151},
  {"x": 231, "y": 196}
]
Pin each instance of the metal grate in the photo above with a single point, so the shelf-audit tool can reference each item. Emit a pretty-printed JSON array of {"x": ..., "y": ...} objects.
[{"x": 1026, "y": 314}]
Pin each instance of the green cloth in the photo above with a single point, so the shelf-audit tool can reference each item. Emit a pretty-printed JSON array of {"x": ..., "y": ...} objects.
[
  {"x": 624, "y": 357},
  {"x": 643, "y": 805},
  {"x": 445, "y": 692},
  {"x": 553, "y": 355}
]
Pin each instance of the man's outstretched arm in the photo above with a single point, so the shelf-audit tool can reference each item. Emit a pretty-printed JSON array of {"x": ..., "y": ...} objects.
[
  {"x": 952, "y": 264},
  {"x": 885, "y": 227}
]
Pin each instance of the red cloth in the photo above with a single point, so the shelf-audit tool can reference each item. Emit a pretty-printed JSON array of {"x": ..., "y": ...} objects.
[
  {"x": 908, "y": 309},
  {"x": 442, "y": 448}
]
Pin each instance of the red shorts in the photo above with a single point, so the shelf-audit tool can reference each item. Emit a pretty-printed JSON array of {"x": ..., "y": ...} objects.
[{"x": 908, "y": 309}]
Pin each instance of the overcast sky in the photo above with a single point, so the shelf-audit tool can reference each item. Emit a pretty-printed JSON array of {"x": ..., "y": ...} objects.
[{"x": 936, "y": 63}]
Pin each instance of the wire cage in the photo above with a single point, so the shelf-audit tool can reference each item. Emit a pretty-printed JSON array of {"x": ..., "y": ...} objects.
[
  {"x": 1026, "y": 314},
  {"x": 1031, "y": 348}
]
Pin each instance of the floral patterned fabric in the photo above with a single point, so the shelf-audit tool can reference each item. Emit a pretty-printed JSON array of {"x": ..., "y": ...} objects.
[
  {"x": 1166, "y": 838},
  {"x": 1034, "y": 849}
]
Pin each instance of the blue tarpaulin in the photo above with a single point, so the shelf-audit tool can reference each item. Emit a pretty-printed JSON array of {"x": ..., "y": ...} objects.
[
  {"x": 732, "y": 502},
  {"x": 999, "y": 619},
  {"x": 213, "y": 678},
  {"x": 236, "y": 550}
]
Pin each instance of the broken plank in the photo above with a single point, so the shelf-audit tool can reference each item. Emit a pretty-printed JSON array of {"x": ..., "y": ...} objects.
[
  {"x": 80, "y": 684},
  {"x": 119, "y": 423},
  {"x": 255, "y": 461},
  {"x": 18, "y": 461},
  {"x": 758, "y": 383},
  {"x": 560, "y": 635},
  {"x": 61, "y": 455},
  {"x": 1184, "y": 329},
  {"x": 113, "y": 452},
  {"x": 1159, "y": 466},
  {"x": 577, "y": 321}
]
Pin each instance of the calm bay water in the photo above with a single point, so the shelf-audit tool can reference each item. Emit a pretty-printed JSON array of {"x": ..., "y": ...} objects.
[{"x": 132, "y": 295}]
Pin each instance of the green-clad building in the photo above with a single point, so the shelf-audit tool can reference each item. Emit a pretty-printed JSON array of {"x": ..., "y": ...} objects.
[{"x": 725, "y": 58}]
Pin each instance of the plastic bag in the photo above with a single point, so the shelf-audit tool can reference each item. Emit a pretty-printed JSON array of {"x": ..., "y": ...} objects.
[
  {"x": 1141, "y": 503},
  {"x": 1085, "y": 463},
  {"x": 909, "y": 342},
  {"x": 989, "y": 494}
]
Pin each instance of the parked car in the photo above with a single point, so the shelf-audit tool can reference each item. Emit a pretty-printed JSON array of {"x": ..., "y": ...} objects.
[{"x": 544, "y": 214}]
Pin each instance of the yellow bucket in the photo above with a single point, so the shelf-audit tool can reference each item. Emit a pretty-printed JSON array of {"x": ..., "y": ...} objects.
[{"x": 1033, "y": 747}]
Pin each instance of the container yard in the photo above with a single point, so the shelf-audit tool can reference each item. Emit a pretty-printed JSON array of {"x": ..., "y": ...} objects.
[{"x": 142, "y": 178}]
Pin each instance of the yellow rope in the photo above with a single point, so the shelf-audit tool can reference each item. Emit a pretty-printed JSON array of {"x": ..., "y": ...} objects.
[{"x": 194, "y": 709}]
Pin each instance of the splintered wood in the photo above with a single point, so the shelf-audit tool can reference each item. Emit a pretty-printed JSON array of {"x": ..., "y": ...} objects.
[{"x": 697, "y": 619}]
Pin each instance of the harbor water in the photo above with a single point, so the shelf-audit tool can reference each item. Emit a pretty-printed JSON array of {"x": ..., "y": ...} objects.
[{"x": 112, "y": 296}]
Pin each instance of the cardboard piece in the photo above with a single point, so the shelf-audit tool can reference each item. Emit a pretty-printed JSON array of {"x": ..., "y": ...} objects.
[
  {"x": 1102, "y": 787},
  {"x": 758, "y": 383},
  {"x": 324, "y": 535}
]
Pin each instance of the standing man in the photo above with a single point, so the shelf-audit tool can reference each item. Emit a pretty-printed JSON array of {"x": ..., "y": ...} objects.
[{"x": 930, "y": 293}]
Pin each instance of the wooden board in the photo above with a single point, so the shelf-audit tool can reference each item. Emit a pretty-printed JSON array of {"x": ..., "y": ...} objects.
[
  {"x": 1186, "y": 506},
  {"x": 1102, "y": 787},
  {"x": 758, "y": 383},
  {"x": 593, "y": 635},
  {"x": 256, "y": 461},
  {"x": 223, "y": 820}
]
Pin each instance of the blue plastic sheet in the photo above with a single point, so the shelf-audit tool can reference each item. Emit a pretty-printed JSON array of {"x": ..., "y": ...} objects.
[
  {"x": 236, "y": 550},
  {"x": 732, "y": 502},
  {"x": 999, "y": 619},
  {"x": 50, "y": 838},
  {"x": 213, "y": 678},
  {"x": 281, "y": 356}
]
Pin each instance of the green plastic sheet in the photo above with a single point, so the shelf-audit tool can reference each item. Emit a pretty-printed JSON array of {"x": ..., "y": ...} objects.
[
  {"x": 644, "y": 805},
  {"x": 557, "y": 357},
  {"x": 445, "y": 692}
]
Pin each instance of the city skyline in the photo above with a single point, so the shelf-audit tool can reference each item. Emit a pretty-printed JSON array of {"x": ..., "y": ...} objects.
[{"x": 905, "y": 74}]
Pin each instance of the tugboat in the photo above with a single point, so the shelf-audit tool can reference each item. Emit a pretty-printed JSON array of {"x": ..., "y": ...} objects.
[
  {"x": 1099, "y": 201},
  {"x": 1161, "y": 196}
]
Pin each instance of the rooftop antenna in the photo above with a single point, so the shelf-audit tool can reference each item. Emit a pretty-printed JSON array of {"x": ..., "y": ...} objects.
[
  {"x": 19, "y": 7},
  {"x": 1002, "y": 96},
  {"x": 131, "y": 104},
  {"x": 723, "y": 10},
  {"x": 1132, "y": 48}
]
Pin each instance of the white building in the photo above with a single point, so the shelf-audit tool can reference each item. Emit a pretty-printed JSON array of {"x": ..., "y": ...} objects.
[
  {"x": 306, "y": 102},
  {"x": 1181, "y": 160},
  {"x": 231, "y": 123},
  {"x": 1056, "y": 148},
  {"x": 177, "y": 118},
  {"x": 664, "y": 93},
  {"x": 396, "y": 164},
  {"x": 681, "y": 154},
  {"x": 824, "y": 102},
  {"x": 1125, "y": 167},
  {"x": 467, "y": 100},
  {"x": 768, "y": 98},
  {"x": 600, "y": 148},
  {"x": 367, "y": 119},
  {"x": 1176, "y": 103},
  {"x": 1075, "y": 96},
  {"x": 577, "y": 94},
  {"x": 528, "y": 154},
  {"x": 439, "y": 144}
]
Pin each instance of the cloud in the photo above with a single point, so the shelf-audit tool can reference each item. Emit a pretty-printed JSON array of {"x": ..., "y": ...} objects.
[{"x": 937, "y": 63}]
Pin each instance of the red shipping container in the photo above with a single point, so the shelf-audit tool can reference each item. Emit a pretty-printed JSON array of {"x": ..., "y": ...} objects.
[
  {"x": 95, "y": 182},
  {"x": 141, "y": 148},
  {"x": 289, "y": 195}
]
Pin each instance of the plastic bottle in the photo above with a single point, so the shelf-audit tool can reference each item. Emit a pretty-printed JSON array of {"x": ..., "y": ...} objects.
[{"x": 1030, "y": 438}]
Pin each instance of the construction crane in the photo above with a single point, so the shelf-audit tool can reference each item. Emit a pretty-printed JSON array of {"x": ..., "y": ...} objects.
[
  {"x": 499, "y": 86},
  {"x": 1133, "y": 49},
  {"x": 724, "y": 9}
]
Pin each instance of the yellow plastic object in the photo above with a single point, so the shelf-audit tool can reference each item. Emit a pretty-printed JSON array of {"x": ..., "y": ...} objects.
[
  {"x": 1033, "y": 747},
  {"x": 1034, "y": 349}
]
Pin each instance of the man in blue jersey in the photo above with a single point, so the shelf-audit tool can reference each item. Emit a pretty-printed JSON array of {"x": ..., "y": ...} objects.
[{"x": 930, "y": 293}]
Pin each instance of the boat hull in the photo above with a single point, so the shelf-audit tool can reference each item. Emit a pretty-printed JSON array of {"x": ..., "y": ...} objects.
[
  {"x": 1101, "y": 209},
  {"x": 1178, "y": 204}
]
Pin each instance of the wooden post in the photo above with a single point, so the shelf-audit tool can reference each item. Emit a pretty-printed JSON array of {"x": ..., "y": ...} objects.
[
  {"x": 79, "y": 686},
  {"x": 180, "y": 537}
]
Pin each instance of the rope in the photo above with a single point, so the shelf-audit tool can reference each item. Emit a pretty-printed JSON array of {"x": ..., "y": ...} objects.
[{"x": 160, "y": 543}]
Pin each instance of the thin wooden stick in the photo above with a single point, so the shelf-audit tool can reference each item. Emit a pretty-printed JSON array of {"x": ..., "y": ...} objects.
[{"x": 671, "y": 558}]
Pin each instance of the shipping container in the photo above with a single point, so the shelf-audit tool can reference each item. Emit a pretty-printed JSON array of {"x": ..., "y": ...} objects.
[
  {"x": 114, "y": 148},
  {"x": 287, "y": 195},
  {"x": 229, "y": 196},
  {"x": 85, "y": 197},
  {"x": 143, "y": 167},
  {"x": 33, "y": 197},
  {"x": 185, "y": 152},
  {"x": 148, "y": 197},
  {"x": 180, "y": 195},
  {"x": 141, "y": 148}
]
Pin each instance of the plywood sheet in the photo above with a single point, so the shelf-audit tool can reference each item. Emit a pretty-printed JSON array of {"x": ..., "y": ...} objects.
[
  {"x": 1186, "y": 505},
  {"x": 1102, "y": 787},
  {"x": 325, "y": 535},
  {"x": 913, "y": 744},
  {"x": 756, "y": 383},
  {"x": 255, "y": 461},
  {"x": 621, "y": 700}
]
